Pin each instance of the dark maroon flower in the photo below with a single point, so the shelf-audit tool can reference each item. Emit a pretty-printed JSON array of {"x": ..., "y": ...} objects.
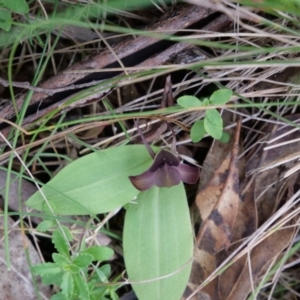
[{"x": 166, "y": 171}]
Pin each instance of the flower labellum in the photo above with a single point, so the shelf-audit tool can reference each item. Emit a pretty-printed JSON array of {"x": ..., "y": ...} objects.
[{"x": 166, "y": 171}]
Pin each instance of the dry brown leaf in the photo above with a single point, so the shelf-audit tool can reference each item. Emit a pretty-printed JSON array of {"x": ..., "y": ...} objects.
[
  {"x": 17, "y": 283},
  {"x": 235, "y": 282},
  {"x": 202, "y": 267},
  {"x": 218, "y": 206},
  {"x": 246, "y": 220},
  {"x": 218, "y": 203},
  {"x": 261, "y": 255}
]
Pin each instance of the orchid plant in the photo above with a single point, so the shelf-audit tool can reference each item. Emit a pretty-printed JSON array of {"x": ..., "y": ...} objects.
[{"x": 157, "y": 236}]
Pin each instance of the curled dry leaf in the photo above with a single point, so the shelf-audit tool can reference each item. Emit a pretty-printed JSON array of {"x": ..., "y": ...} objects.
[
  {"x": 243, "y": 223},
  {"x": 218, "y": 203}
]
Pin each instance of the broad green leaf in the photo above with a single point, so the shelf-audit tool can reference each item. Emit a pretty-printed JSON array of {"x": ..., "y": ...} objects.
[
  {"x": 18, "y": 6},
  {"x": 220, "y": 96},
  {"x": 5, "y": 20},
  {"x": 81, "y": 287},
  {"x": 60, "y": 243},
  {"x": 67, "y": 285},
  {"x": 158, "y": 241},
  {"x": 96, "y": 183},
  {"x": 72, "y": 269},
  {"x": 198, "y": 131},
  {"x": 60, "y": 259},
  {"x": 213, "y": 123},
  {"x": 99, "y": 253},
  {"x": 82, "y": 260},
  {"x": 54, "y": 279},
  {"x": 189, "y": 101},
  {"x": 46, "y": 269},
  {"x": 225, "y": 138}
]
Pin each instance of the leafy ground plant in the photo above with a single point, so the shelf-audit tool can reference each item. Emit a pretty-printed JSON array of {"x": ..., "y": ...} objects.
[
  {"x": 70, "y": 272},
  {"x": 212, "y": 122},
  {"x": 8, "y": 7}
]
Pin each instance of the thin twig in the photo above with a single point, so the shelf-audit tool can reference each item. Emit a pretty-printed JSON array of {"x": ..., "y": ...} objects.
[{"x": 50, "y": 92}]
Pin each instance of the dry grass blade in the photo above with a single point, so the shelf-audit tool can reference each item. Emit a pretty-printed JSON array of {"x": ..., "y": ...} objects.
[{"x": 247, "y": 269}]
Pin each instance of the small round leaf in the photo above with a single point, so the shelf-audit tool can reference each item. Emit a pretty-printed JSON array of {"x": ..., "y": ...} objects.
[
  {"x": 213, "y": 123},
  {"x": 220, "y": 96},
  {"x": 198, "y": 131},
  {"x": 189, "y": 101}
]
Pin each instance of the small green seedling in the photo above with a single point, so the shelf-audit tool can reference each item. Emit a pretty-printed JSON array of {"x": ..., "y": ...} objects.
[
  {"x": 212, "y": 122},
  {"x": 70, "y": 272}
]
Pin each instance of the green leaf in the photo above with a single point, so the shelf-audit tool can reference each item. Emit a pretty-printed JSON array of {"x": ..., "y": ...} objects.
[
  {"x": 54, "y": 279},
  {"x": 96, "y": 183},
  {"x": 58, "y": 296},
  {"x": 5, "y": 20},
  {"x": 206, "y": 102},
  {"x": 45, "y": 225},
  {"x": 67, "y": 285},
  {"x": 189, "y": 101},
  {"x": 18, "y": 6},
  {"x": 113, "y": 295},
  {"x": 91, "y": 284},
  {"x": 198, "y": 131},
  {"x": 46, "y": 269},
  {"x": 158, "y": 241},
  {"x": 213, "y": 123},
  {"x": 72, "y": 269},
  {"x": 220, "y": 96},
  {"x": 225, "y": 138},
  {"x": 214, "y": 116},
  {"x": 81, "y": 287},
  {"x": 60, "y": 259},
  {"x": 99, "y": 253},
  {"x": 83, "y": 260},
  {"x": 67, "y": 232},
  {"x": 102, "y": 273},
  {"x": 60, "y": 243}
]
